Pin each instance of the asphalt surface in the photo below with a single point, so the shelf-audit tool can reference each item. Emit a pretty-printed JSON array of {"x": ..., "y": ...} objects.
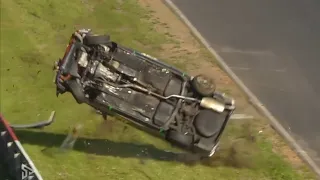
[{"x": 274, "y": 48}]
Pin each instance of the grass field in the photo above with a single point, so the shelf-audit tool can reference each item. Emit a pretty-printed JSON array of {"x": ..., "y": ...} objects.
[{"x": 34, "y": 34}]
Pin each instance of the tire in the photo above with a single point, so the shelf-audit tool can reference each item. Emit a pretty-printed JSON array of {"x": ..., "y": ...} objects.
[
  {"x": 179, "y": 139},
  {"x": 203, "y": 85},
  {"x": 208, "y": 123},
  {"x": 92, "y": 39}
]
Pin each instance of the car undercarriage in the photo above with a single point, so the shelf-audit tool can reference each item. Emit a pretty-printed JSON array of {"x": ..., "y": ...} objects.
[{"x": 187, "y": 110}]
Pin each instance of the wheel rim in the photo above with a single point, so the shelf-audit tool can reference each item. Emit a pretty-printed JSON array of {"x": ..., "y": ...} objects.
[{"x": 205, "y": 82}]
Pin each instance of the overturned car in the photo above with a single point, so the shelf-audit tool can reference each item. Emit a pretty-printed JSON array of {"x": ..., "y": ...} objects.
[{"x": 186, "y": 110}]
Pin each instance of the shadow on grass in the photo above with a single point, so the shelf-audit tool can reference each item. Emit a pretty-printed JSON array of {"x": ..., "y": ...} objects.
[{"x": 224, "y": 157}]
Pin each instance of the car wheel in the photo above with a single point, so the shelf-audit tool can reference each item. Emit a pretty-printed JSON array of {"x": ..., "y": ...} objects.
[
  {"x": 203, "y": 85},
  {"x": 179, "y": 139},
  {"x": 91, "y": 39},
  {"x": 208, "y": 123}
]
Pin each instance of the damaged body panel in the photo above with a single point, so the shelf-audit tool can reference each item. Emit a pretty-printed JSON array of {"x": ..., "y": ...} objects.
[{"x": 144, "y": 90}]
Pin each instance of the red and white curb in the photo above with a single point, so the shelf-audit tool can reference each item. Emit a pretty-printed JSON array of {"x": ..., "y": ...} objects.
[{"x": 20, "y": 156}]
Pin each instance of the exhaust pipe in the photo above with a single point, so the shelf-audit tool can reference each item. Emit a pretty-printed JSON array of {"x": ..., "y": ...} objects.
[{"x": 210, "y": 103}]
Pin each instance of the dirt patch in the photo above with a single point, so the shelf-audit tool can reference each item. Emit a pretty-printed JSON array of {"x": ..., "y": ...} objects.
[
  {"x": 188, "y": 51},
  {"x": 280, "y": 147},
  {"x": 291, "y": 155}
]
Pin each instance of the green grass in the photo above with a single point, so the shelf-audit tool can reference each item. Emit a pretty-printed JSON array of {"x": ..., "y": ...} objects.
[{"x": 34, "y": 34}]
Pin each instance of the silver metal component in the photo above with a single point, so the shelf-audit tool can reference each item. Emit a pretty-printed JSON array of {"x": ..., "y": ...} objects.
[
  {"x": 105, "y": 72},
  {"x": 3, "y": 133},
  {"x": 84, "y": 31},
  {"x": 99, "y": 70},
  {"x": 230, "y": 102},
  {"x": 115, "y": 64},
  {"x": 9, "y": 144},
  {"x": 79, "y": 36},
  {"x": 40, "y": 124},
  {"x": 16, "y": 155},
  {"x": 92, "y": 69},
  {"x": 139, "y": 110},
  {"x": 241, "y": 116},
  {"x": 214, "y": 149},
  {"x": 182, "y": 97},
  {"x": 106, "y": 48},
  {"x": 210, "y": 103},
  {"x": 83, "y": 61},
  {"x": 155, "y": 94},
  {"x": 230, "y": 107},
  {"x": 111, "y": 89}
]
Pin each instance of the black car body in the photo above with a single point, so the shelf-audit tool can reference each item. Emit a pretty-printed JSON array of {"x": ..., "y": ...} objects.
[{"x": 186, "y": 110}]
